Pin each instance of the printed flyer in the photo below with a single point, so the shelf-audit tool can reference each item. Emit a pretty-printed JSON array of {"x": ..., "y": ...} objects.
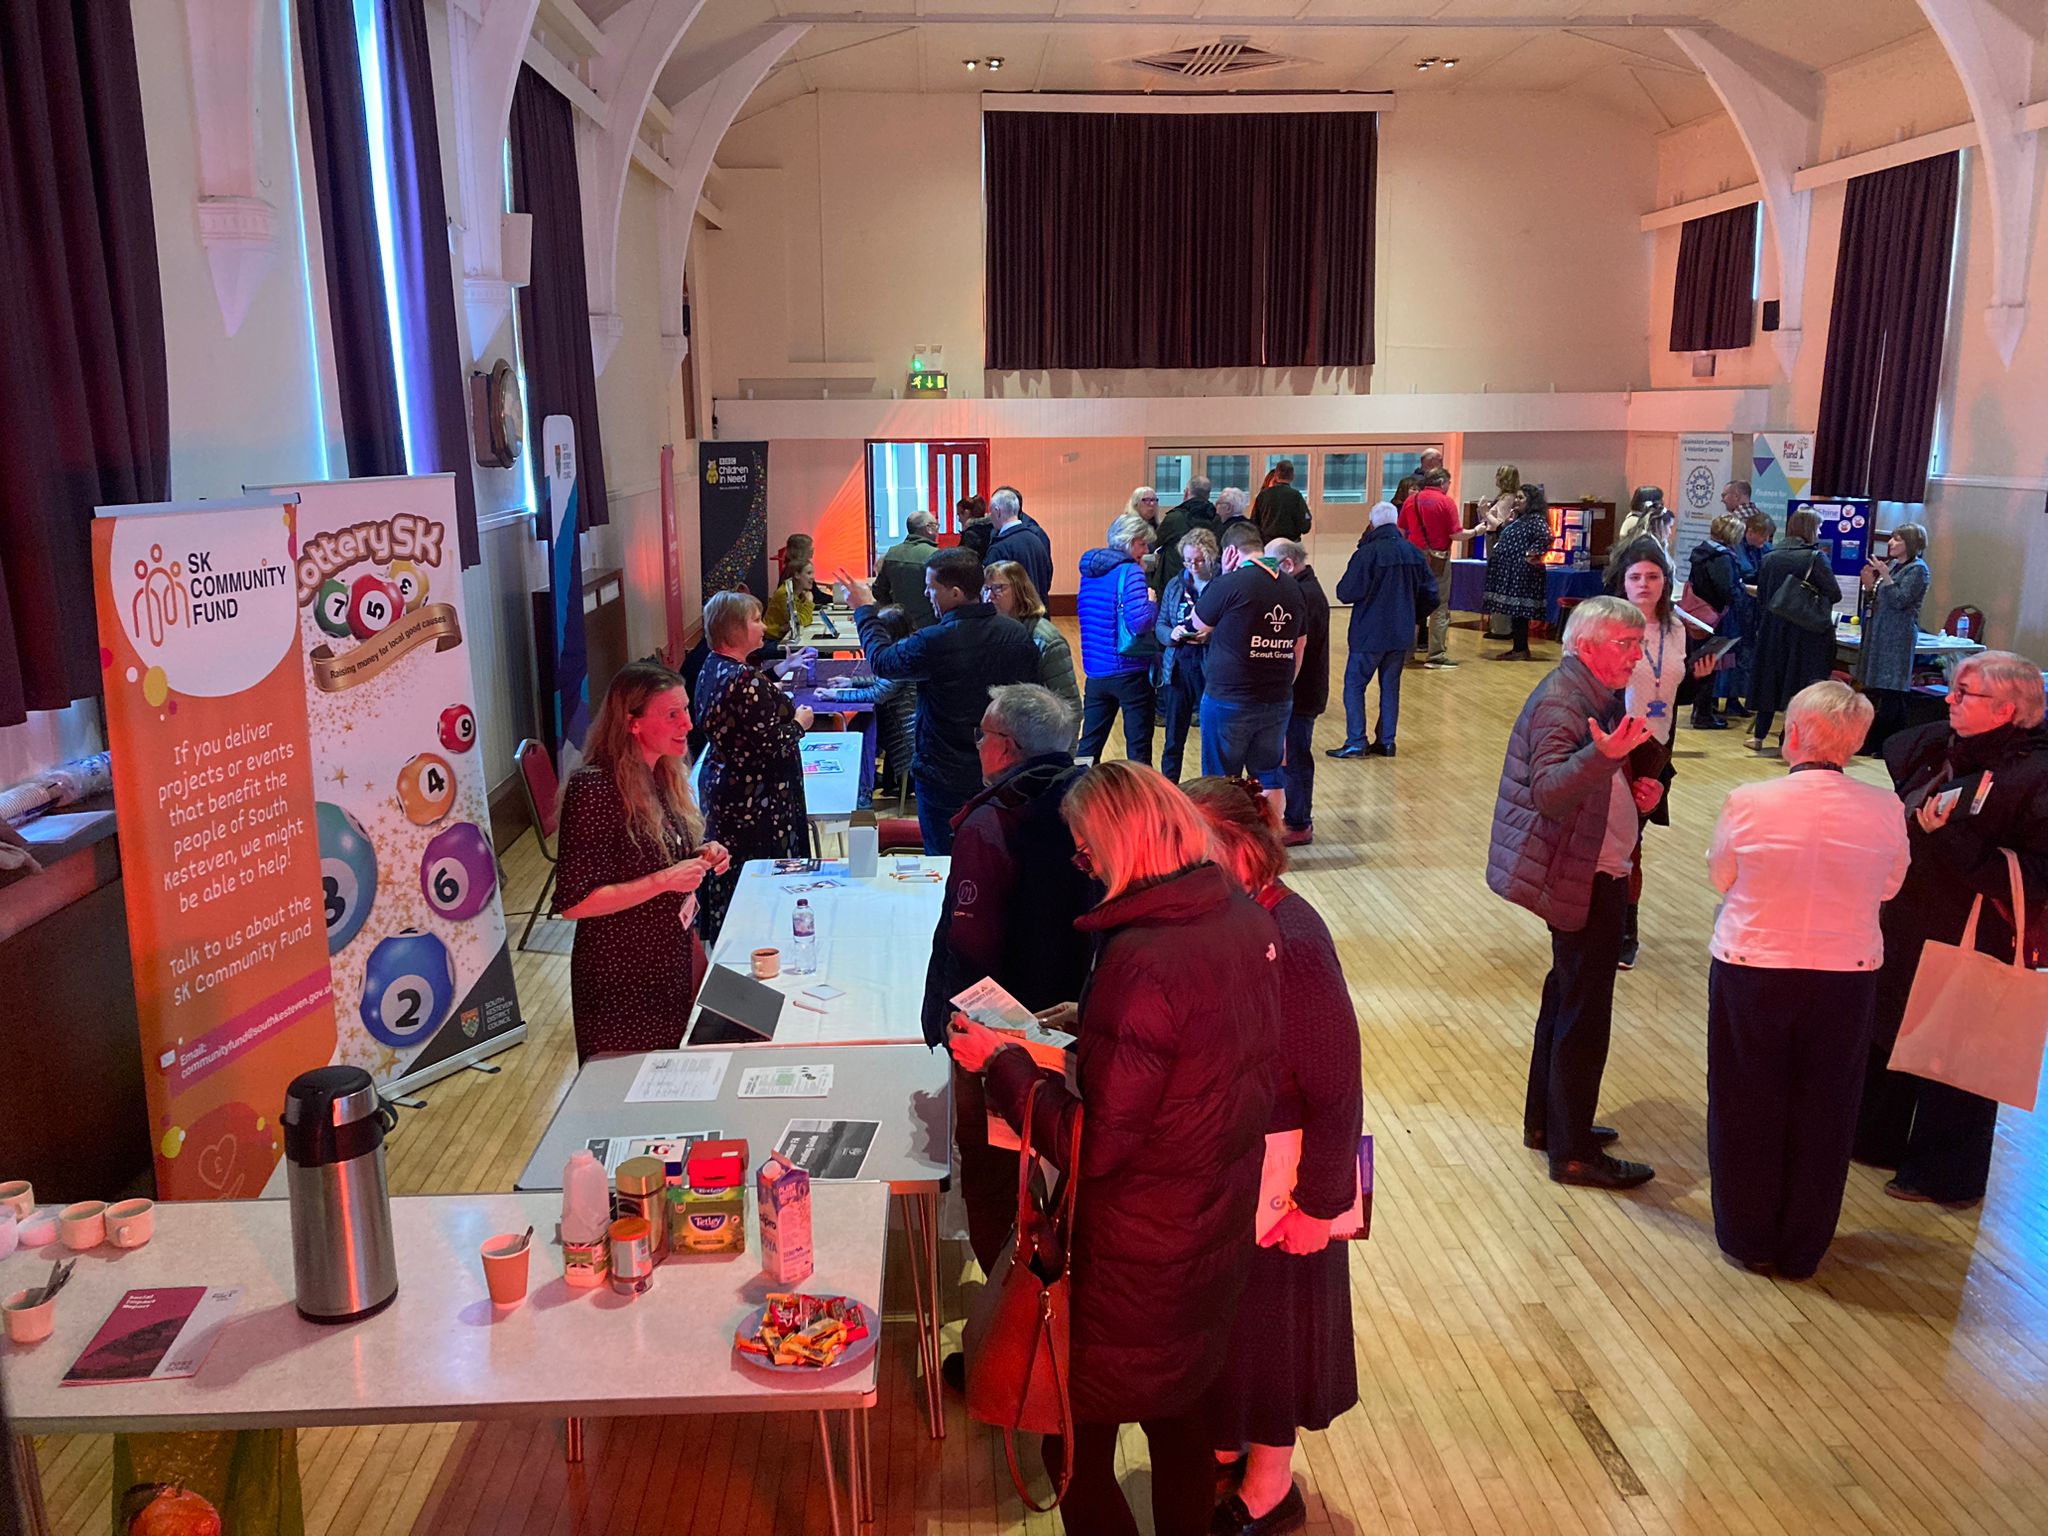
[{"x": 213, "y": 793}]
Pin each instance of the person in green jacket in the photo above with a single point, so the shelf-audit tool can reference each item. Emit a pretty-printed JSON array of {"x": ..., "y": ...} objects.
[{"x": 899, "y": 578}]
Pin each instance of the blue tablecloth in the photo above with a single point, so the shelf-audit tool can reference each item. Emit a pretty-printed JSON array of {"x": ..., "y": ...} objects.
[{"x": 1468, "y": 587}]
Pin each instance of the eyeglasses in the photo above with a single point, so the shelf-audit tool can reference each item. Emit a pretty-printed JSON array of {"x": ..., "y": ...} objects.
[
  {"x": 1084, "y": 861},
  {"x": 1956, "y": 691},
  {"x": 983, "y": 732}
]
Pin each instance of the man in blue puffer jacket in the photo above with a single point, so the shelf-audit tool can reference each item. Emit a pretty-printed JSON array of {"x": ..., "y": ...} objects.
[{"x": 1118, "y": 645}]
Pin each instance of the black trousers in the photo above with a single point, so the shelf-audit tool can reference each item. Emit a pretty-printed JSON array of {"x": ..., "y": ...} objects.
[
  {"x": 1573, "y": 1024},
  {"x": 1179, "y": 697},
  {"x": 1938, "y": 1138},
  {"x": 1183, "y": 1479},
  {"x": 1890, "y": 705},
  {"x": 1518, "y": 629},
  {"x": 1785, "y": 1058},
  {"x": 1130, "y": 692},
  {"x": 988, "y": 1175}
]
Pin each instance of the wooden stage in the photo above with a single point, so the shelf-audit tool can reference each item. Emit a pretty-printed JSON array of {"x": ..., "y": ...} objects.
[{"x": 1532, "y": 1358}]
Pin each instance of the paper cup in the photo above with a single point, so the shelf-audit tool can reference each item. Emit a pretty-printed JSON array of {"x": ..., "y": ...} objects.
[
  {"x": 25, "y": 1324},
  {"x": 505, "y": 1257},
  {"x": 18, "y": 1196},
  {"x": 83, "y": 1225},
  {"x": 767, "y": 964},
  {"x": 131, "y": 1223}
]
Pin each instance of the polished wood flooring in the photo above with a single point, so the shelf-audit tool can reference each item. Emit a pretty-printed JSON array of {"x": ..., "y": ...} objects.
[{"x": 1531, "y": 1358}]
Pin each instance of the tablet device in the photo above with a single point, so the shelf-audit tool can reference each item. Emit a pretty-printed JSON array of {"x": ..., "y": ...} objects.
[{"x": 735, "y": 1009}]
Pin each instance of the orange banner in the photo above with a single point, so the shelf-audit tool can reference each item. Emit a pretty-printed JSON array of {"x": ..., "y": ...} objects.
[{"x": 213, "y": 793}]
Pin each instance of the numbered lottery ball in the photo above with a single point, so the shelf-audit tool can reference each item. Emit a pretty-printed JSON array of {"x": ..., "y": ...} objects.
[
  {"x": 348, "y": 873},
  {"x": 408, "y": 987},
  {"x": 457, "y": 872},
  {"x": 409, "y": 582},
  {"x": 372, "y": 605},
  {"x": 330, "y": 609},
  {"x": 458, "y": 727},
  {"x": 426, "y": 789}
]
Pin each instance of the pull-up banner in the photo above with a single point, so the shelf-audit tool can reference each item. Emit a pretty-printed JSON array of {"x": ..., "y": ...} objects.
[
  {"x": 220, "y": 859},
  {"x": 732, "y": 516}
]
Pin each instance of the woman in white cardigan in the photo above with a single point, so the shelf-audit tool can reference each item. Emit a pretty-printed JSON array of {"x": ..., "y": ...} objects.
[{"x": 1803, "y": 863}]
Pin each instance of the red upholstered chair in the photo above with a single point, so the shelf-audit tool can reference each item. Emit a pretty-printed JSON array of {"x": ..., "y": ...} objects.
[
  {"x": 1966, "y": 623},
  {"x": 543, "y": 795},
  {"x": 899, "y": 834}
]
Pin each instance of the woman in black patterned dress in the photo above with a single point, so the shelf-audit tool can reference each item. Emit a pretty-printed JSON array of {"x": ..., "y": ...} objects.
[
  {"x": 1515, "y": 585},
  {"x": 753, "y": 783},
  {"x": 633, "y": 854},
  {"x": 1289, "y": 1366}
]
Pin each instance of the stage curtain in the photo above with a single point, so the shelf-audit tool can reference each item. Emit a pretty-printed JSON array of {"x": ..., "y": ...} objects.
[
  {"x": 1140, "y": 240},
  {"x": 1887, "y": 332},
  {"x": 1712, "y": 304},
  {"x": 554, "y": 308},
  {"x": 84, "y": 390}
]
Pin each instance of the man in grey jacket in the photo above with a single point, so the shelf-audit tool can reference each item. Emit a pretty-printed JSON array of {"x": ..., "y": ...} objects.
[{"x": 1564, "y": 831}]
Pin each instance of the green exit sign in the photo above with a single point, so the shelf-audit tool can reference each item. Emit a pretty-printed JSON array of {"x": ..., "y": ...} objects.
[{"x": 926, "y": 382}]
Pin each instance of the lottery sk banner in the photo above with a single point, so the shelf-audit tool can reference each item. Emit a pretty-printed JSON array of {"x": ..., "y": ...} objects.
[
  {"x": 214, "y": 797},
  {"x": 408, "y": 881}
]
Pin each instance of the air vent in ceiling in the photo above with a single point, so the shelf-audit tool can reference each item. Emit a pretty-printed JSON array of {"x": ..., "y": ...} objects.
[{"x": 1226, "y": 58}]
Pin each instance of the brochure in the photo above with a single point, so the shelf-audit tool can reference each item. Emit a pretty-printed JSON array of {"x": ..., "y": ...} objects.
[
  {"x": 155, "y": 1335},
  {"x": 828, "y": 1149}
]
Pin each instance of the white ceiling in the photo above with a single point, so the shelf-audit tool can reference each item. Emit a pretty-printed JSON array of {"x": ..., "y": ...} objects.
[{"x": 1614, "y": 52}]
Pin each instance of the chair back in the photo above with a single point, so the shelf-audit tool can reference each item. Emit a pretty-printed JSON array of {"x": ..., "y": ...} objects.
[
  {"x": 543, "y": 790},
  {"x": 899, "y": 834}
]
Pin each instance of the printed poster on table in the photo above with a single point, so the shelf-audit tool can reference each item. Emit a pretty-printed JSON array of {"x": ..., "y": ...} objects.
[
  {"x": 1781, "y": 471},
  {"x": 408, "y": 880},
  {"x": 214, "y": 796},
  {"x": 1706, "y": 463}
]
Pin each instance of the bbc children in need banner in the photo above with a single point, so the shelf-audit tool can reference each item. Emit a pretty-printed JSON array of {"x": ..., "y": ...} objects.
[
  {"x": 213, "y": 792},
  {"x": 408, "y": 881}
]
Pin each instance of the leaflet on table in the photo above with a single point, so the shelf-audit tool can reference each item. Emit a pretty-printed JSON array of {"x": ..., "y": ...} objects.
[
  {"x": 1276, "y": 1187},
  {"x": 668, "y": 1146},
  {"x": 155, "y": 1335},
  {"x": 679, "y": 1077},
  {"x": 828, "y": 1149},
  {"x": 799, "y": 1082}
]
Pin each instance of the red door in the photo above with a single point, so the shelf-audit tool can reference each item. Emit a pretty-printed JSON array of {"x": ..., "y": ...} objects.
[{"x": 954, "y": 471}]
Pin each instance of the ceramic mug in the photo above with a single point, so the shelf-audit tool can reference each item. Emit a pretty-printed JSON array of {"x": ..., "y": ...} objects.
[
  {"x": 131, "y": 1223},
  {"x": 25, "y": 1324},
  {"x": 767, "y": 964},
  {"x": 83, "y": 1225},
  {"x": 18, "y": 1196}
]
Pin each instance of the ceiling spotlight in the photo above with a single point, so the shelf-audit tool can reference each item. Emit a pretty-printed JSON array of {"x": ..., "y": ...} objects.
[
  {"x": 972, "y": 63},
  {"x": 1450, "y": 63},
  {"x": 995, "y": 63},
  {"x": 1426, "y": 63}
]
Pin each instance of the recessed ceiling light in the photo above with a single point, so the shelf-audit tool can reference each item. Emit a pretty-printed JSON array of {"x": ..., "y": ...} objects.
[
  {"x": 972, "y": 63},
  {"x": 995, "y": 63},
  {"x": 1450, "y": 63}
]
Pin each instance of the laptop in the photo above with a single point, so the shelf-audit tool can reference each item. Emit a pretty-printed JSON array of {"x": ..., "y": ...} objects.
[{"x": 735, "y": 1009}]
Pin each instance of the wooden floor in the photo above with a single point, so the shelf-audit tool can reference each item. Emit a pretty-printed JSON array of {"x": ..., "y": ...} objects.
[{"x": 1531, "y": 1358}]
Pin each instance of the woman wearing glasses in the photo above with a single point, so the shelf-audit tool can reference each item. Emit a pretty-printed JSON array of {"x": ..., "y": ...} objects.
[
  {"x": 1163, "y": 1223},
  {"x": 1008, "y": 586}
]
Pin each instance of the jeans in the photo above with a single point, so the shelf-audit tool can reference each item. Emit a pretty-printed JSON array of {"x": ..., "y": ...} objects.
[
  {"x": 1178, "y": 700},
  {"x": 1573, "y": 1025},
  {"x": 1243, "y": 738},
  {"x": 1297, "y": 775},
  {"x": 1130, "y": 692},
  {"x": 1183, "y": 1479},
  {"x": 936, "y": 808},
  {"x": 1359, "y": 668}
]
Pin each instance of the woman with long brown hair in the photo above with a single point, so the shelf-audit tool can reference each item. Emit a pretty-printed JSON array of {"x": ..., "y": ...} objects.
[{"x": 632, "y": 856}]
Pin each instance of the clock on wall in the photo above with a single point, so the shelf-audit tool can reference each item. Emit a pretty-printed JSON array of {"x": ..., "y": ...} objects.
[{"x": 497, "y": 415}]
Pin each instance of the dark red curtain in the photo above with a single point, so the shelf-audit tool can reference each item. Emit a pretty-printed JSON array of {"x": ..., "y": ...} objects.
[
  {"x": 84, "y": 390},
  {"x": 1886, "y": 333},
  {"x": 554, "y": 308},
  {"x": 1105, "y": 248},
  {"x": 1712, "y": 303},
  {"x": 434, "y": 377},
  {"x": 372, "y": 429}
]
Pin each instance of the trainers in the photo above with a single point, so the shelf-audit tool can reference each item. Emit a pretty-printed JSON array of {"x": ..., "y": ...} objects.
[
  {"x": 1297, "y": 837},
  {"x": 1629, "y": 948},
  {"x": 1438, "y": 663}
]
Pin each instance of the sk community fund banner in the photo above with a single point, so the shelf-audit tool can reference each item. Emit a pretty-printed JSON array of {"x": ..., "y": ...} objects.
[
  {"x": 408, "y": 881},
  {"x": 213, "y": 793}
]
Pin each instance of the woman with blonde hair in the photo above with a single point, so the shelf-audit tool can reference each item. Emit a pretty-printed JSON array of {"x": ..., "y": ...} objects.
[
  {"x": 1174, "y": 1065},
  {"x": 1008, "y": 585},
  {"x": 633, "y": 853},
  {"x": 1144, "y": 503},
  {"x": 1280, "y": 1373}
]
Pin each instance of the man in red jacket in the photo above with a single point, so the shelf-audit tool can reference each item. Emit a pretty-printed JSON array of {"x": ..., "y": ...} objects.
[{"x": 1431, "y": 520}]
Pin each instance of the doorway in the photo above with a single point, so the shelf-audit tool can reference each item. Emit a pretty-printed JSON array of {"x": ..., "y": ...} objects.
[{"x": 907, "y": 477}]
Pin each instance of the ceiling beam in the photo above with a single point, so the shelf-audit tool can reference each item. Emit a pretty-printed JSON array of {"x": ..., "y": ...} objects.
[{"x": 1211, "y": 21}]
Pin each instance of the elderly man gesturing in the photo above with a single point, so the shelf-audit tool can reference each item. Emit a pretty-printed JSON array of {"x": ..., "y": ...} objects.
[{"x": 1564, "y": 827}]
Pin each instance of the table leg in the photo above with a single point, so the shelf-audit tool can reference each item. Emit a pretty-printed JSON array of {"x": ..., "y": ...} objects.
[
  {"x": 867, "y": 1465},
  {"x": 573, "y": 1454},
  {"x": 931, "y": 1322},
  {"x": 855, "y": 1479},
  {"x": 920, "y": 1226},
  {"x": 831, "y": 1481},
  {"x": 28, "y": 1479}
]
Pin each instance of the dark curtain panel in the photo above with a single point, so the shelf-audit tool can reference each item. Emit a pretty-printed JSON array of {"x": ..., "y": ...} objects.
[
  {"x": 1102, "y": 252},
  {"x": 554, "y": 308},
  {"x": 1711, "y": 304},
  {"x": 433, "y": 382},
  {"x": 1886, "y": 332},
  {"x": 372, "y": 431},
  {"x": 84, "y": 390}
]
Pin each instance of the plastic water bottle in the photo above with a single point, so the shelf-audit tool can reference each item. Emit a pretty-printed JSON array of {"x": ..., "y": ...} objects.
[{"x": 804, "y": 928}]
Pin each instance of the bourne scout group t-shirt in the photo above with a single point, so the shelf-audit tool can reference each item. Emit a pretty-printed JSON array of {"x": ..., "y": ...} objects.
[{"x": 1255, "y": 614}]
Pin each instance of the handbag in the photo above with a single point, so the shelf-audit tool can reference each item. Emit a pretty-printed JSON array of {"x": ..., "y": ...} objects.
[
  {"x": 1699, "y": 607},
  {"x": 1019, "y": 1329},
  {"x": 1801, "y": 604},
  {"x": 1137, "y": 644},
  {"x": 1977, "y": 1023}
]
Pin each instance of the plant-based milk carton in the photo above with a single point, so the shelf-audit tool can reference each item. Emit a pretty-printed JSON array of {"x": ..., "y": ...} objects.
[{"x": 785, "y": 1210}]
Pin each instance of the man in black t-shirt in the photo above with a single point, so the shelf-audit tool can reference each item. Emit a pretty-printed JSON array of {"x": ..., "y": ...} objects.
[{"x": 1254, "y": 616}]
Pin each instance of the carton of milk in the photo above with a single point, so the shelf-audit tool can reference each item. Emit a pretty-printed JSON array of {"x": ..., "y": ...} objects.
[{"x": 785, "y": 1212}]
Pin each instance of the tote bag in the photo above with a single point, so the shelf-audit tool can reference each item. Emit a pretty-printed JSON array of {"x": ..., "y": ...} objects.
[
  {"x": 1977, "y": 1023},
  {"x": 1801, "y": 604}
]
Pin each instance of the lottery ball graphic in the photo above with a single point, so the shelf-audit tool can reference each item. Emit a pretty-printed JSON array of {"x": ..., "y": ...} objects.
[
  {"x": 408, "y": 987},
  {"x": 330, "y": 609},
  {"x": 372, "y": 605},
  {"x": 409, "y": 582},
  {"x": 457, "y": 872},
  {"x": 426, "y": 789},
  {"x": 458, "y": 727},
  {"x": 348, "y": 873}
]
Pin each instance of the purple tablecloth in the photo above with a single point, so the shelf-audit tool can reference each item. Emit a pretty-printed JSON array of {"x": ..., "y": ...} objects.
[{"x": 1468, "y": 587}]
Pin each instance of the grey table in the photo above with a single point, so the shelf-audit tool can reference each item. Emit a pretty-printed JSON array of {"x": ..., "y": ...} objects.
[{"x": 907, "y": 1089}]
